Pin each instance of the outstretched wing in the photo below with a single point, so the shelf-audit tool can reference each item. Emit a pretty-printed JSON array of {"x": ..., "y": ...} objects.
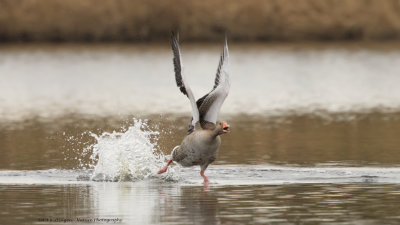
[
  {"x": 210, "y": 104},
  {"x": 180, "y": 81}
]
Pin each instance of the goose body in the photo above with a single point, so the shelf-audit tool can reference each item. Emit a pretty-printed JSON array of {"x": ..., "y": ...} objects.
[{"x": 200, "y": 146}]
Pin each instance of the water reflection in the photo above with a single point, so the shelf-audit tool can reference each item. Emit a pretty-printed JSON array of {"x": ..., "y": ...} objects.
[
  {"x": 147, "y": 203},
  {"x": 28, "y": 204},
  {"x": 188, "y": 205}
]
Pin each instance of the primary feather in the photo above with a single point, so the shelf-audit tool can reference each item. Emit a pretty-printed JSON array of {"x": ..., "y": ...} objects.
[{"x": 179, "y": 78}]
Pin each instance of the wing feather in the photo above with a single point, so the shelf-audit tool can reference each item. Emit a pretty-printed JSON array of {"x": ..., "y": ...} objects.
[
  {"x": 210, "y": 104},
  {"x": 180, "y": 79}
]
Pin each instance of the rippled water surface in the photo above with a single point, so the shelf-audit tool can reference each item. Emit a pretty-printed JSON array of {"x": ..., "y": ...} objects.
[{"x": 314, "y": 135}]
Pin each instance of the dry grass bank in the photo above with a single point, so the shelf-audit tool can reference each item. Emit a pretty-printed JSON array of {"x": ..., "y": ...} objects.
[{"x": 207, "y": 20}]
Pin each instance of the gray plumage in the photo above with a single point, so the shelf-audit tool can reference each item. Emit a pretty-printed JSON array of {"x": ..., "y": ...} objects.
[
  {"x": 210, "y": 104},
  {"x": 177, "y": 63},
  {"x": 201, "y": 145}
]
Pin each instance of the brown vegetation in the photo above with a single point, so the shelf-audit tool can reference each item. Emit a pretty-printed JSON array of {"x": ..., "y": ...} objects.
[{"x": 207, "y": 20}]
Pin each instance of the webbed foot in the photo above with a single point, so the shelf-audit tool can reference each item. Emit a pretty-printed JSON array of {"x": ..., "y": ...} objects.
[{"x": 163, "y": 170}]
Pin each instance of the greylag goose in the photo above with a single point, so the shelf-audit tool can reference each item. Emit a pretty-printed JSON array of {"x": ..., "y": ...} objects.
[{"x": 201, "y": 145}]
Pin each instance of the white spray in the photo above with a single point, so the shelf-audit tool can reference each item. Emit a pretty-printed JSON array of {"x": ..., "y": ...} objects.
[{"x": 129, "y": 155}]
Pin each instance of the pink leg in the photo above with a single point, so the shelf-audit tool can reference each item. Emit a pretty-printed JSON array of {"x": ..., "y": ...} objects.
[
  {"x": 204, "y": 176},
  {"x": 163, "y": 170}
]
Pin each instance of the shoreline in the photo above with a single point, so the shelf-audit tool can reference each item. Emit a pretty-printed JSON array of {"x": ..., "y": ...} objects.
[{"x": 206, "y": 21}]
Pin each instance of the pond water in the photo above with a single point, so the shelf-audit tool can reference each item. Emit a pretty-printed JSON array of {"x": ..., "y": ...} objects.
[{"x": 314, "y": 135}]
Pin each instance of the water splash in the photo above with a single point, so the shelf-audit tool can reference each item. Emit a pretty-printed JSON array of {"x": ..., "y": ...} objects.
[{"x": 131, "y": 154}]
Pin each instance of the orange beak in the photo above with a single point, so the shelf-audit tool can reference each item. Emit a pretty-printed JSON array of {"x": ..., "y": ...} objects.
[{"x": 225, "y": 127}]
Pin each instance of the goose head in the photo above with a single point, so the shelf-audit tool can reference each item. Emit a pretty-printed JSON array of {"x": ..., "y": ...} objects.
[{"x": 222, "y": 128}]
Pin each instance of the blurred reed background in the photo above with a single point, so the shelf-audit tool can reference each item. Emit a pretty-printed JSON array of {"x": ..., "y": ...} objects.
[{"x": 244, "y": 20}]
